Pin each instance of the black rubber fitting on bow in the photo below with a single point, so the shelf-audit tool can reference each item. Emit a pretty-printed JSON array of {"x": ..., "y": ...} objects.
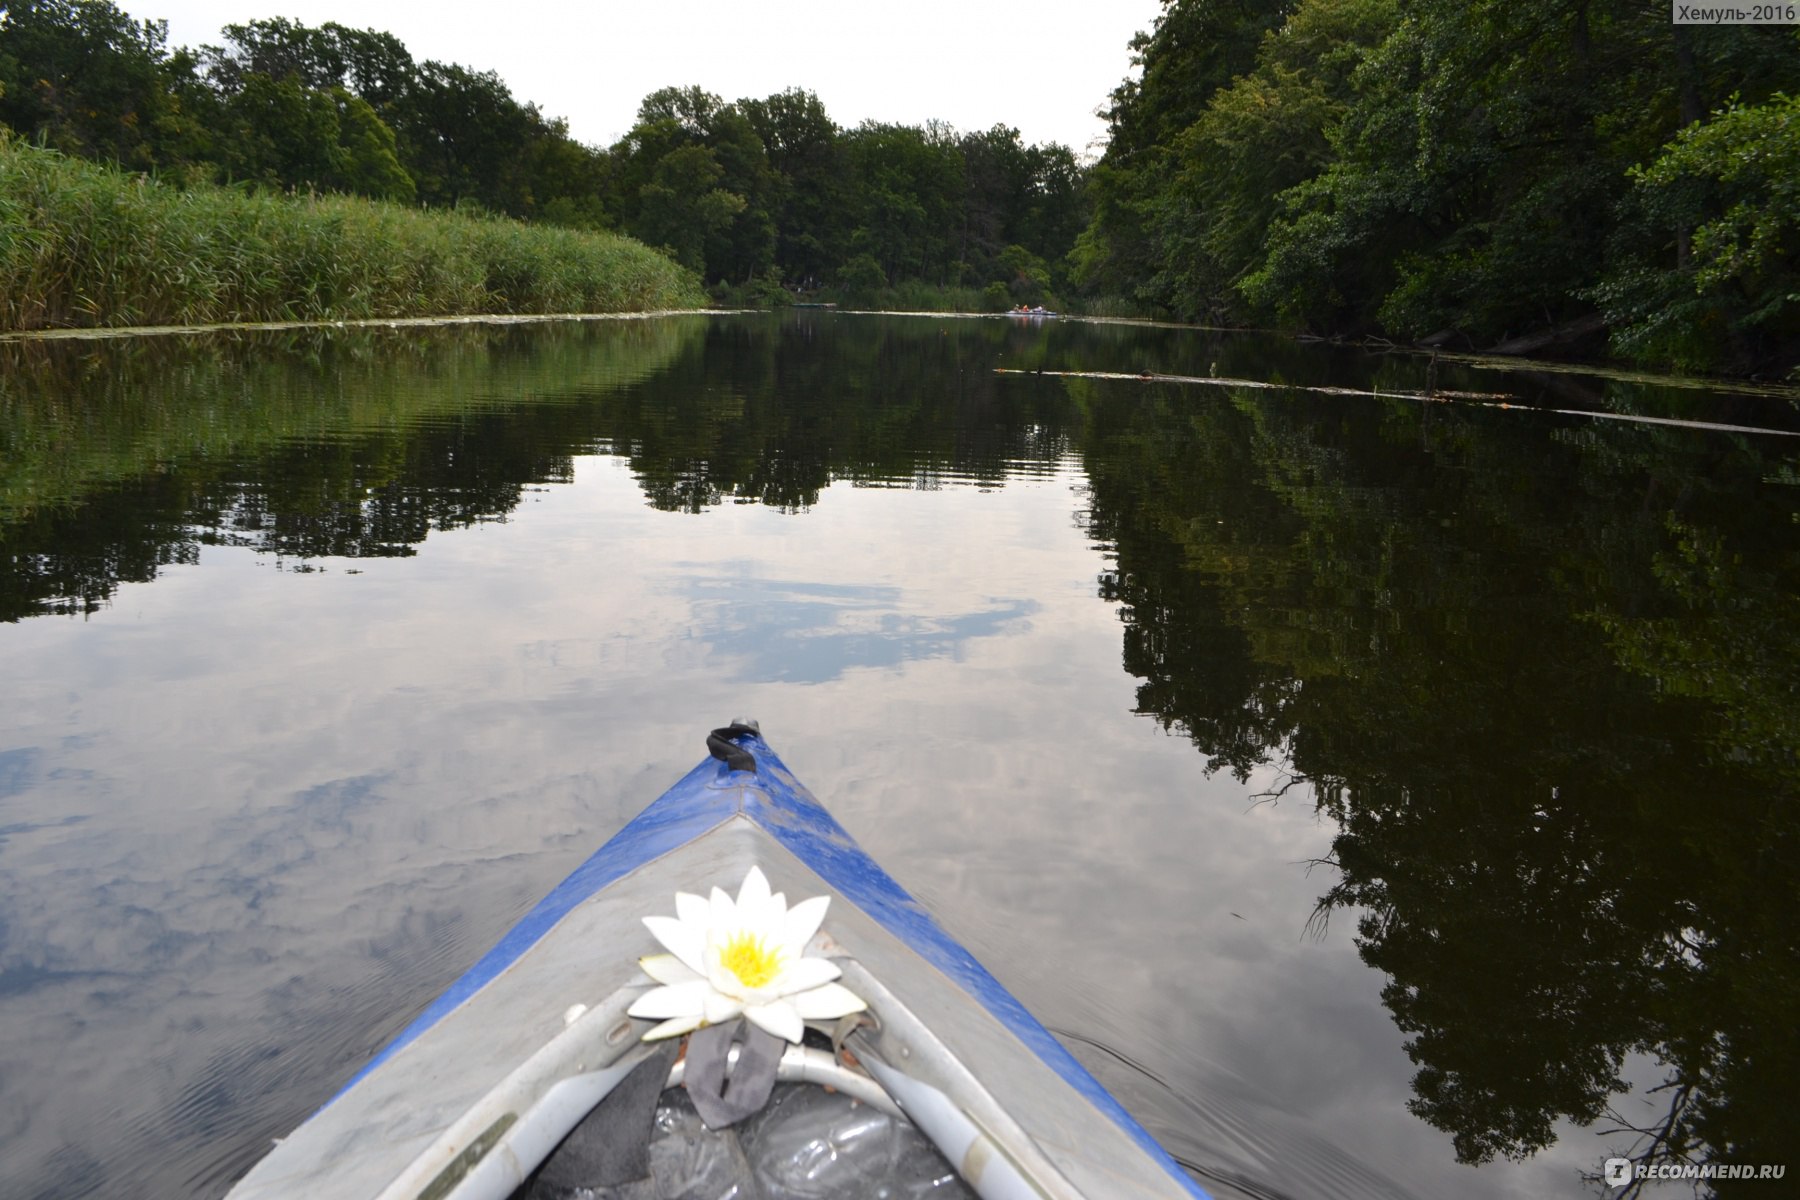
[{"x": 720, "y": 746}]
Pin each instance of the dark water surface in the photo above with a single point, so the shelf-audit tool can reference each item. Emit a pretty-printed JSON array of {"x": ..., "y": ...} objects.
[{"x": 1352, "y": 781}]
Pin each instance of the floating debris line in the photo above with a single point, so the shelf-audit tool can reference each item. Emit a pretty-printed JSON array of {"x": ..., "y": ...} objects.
[{"x": 1507, "y": 400}]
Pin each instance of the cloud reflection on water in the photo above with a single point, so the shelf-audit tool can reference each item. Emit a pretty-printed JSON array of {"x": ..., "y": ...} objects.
[{"x": 795, "y": 631}]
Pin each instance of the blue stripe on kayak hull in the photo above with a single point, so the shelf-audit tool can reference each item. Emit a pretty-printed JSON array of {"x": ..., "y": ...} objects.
[{"x": 783, "y": 807}]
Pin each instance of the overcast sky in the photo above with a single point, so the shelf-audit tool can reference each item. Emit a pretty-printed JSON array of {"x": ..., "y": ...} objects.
[{"x": 1040, "y": 66}]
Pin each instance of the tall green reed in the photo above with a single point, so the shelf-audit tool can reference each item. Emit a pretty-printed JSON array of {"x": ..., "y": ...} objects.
[{"x": 83, "y": 245}]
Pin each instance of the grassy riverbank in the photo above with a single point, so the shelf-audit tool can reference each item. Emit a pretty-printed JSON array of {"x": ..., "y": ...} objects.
[{"x": 82, "y": 245}]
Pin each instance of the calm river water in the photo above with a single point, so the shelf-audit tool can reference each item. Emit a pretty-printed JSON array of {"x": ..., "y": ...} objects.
[{"x": 1351, "y": 780}]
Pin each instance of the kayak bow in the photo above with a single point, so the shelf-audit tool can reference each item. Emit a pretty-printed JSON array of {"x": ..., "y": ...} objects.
[{"x": 474, "y": 1095}]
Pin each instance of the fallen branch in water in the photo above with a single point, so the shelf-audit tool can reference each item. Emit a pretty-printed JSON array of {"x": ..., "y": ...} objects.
[{"x": 1438, "y": 396}]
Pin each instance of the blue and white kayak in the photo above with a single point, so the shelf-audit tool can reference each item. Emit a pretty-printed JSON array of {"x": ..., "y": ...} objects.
[{"x": 470, "y": 1099}]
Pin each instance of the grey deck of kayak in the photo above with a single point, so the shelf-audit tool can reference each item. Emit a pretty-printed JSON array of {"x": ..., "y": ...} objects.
[{"x": 358, "y": 1144}]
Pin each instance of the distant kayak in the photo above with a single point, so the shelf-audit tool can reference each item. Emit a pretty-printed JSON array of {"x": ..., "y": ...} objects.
[
  {"x": 1031, "y": 312},
  {"x": 859, "y": 1012}
]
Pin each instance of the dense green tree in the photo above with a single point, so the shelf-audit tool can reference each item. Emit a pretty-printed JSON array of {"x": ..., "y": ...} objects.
[
  {"x": 284, "y": 134},
  {"x": 1265, "y": 132},
  {"x": 461, "y": 133},
  {"x": 745, "y": 247},
  {"x": 1477, "y": 176},
  {"x": 371, "y": 64},
  {"x": 863, "y": 209},
  {"x": 1714, "y": 279},
  {"x": 275, "y": 49},
  {"x": 1447, "y": 168},
  {"x": 1194, "y": 48},
  {"x": 569, "y": 180},
  {"x": 368, "y": 162},
  {"x": 1056, "y": 208},
  {"x": 808, "y": 203},
  {"x": 682, "y": 207},
  {"x": 1026, "y": 276},
  {"x": 286, "y": 108},
  {"x": 693, "y": 175},
  {"x": 464, "y": 138},
  {"x": 907, "y": 202},
  {"x": 86, "y": 79},
  {"x": 1016, "y": 199},
  {"x": 997, "y": 179},
  {"x": 1470, "y": 169},
  {"x": 690, "y": 109}
]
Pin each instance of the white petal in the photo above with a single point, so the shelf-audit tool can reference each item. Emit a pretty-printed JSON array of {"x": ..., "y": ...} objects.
[
  {"x": 779, "y": 1018},
  {"x": 666, "y": 968},
  {"x": 684, "y": 941},
  {"x": 673, "y": 1027},
  {"x": 724, "y": 912},
  {"x": 693, "y": 910},
  {"x": 723, "y": 981},
  {"x": 753, "y": 899},
  {"x": 804, "y": 974},
  {"x": 803, "y": 920},
  {"x": 673, "y": 1000},
  {"x": 720, "y": 1007},
  {"x": 827, "y": 1003}
]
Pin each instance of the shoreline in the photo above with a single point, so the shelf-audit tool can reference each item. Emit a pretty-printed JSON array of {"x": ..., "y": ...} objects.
[
  {"x": 1740, "y": 385},
  {"x": 104, "y": 332}
]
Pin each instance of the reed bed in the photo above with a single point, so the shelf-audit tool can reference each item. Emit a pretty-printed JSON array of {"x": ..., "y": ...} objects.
[{"x": 82, "y": 245}]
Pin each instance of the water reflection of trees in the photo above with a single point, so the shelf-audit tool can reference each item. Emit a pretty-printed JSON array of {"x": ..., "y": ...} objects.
[
  {"x": 774, "y": 417},
  {"x": 1545, "y": 687},
  {"x": 121, "y": 458}
]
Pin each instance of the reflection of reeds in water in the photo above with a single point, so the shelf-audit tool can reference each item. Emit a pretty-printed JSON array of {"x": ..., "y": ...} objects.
[
  {"x": 82, "y": 245},
  {"x": 76, "y": 417}
]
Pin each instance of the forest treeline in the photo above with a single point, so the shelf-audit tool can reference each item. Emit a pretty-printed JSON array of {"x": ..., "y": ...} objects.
[
  {"x": 755, "y": 194},
  {"x": 1462, "y": 171},
  {"x": 1468, "y": 173}
]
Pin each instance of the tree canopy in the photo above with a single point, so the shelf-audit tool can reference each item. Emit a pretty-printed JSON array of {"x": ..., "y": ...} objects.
[{"x": 1466, "y": 171}]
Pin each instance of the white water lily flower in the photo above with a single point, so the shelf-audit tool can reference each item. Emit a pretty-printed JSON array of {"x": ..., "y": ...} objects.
[{"x": 745, "y": 956}]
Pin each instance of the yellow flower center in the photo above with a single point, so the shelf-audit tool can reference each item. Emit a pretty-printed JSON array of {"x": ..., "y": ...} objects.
[{"x": 754, "y": 963}]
